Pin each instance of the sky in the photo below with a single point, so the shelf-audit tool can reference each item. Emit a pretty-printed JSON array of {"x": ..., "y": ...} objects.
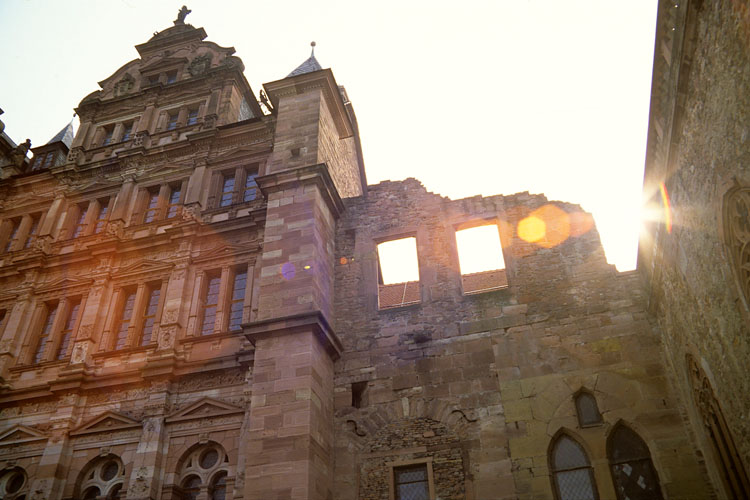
[{"x": 473, "y": 97}]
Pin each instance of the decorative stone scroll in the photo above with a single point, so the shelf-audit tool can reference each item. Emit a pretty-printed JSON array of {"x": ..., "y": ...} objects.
[
  {"x": 737, "y": 235},
  {"x": 199, "y": 65},
  {"x": 125, "y": 85}
]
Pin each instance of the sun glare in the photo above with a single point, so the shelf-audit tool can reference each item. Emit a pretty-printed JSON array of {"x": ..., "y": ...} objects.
[
  {"x": 479, "y": 249},
  {"x": 398, "y": 261}
]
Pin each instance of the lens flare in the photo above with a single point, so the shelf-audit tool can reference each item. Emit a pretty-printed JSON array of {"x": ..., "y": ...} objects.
[
  {"x": 667, "y": 207},
  {"x": 288, "y": 271},
  {"x": 531, "y": 229}
]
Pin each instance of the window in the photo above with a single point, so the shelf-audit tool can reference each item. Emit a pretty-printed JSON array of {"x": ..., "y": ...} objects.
[
  {"x": 222, "y": 301},
  {"x": 398, "y": 273},
  {"x": 108, "y": 132},
  {"x": 149, "y": 316},
  {"x": 152, "y": 205},
  {"x": 206, "y": 465},
  {"x": 250, "y": 191},
  {"x": 103, "y": 478},
  {"x": 227, "y": 190},
  {"x": 192, "y": 117},
  {"x": 126, "y": 315},
  {"x": 172, "y": 120},
  {"x": 37, "y": 165},
  {"x": 412, "y": 480},
  {"x": 63, "y": 347},
  {"x": 80, "y": 221},
  {"x": 33, "y": 229},
  {"x": 238, "y": 300},
  {"x": 587, "y": 409},
  {"x": 480, "y": 257},
  {"x": 210, "y": 304},
  {"x": 127, "y": 131},
  {"x": 235, "y": 186},
  {"x": 723, "y": 449},
  {"x": 102, "y": 215},
  {"x": 175, "y": 198},
  {"x": 14, "y": 485},
  {"x": 736, "y": 212},
  {"x": 172, "y": 76},
  {"x": 48, "y": 160},
  {"x": 573, "y": 477},
  {"x": 632, "y": 470},
  {"x": 153, "y": 79},
  {"x": 46, "y": 333},
  {"x": 15, "y": 224},
  {"x": 359, "y": 394}
]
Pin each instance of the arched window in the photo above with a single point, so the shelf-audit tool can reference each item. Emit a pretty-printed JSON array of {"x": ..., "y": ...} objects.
[
  {"x": 737, "y": 236},
  {"x": 204, "y": 468},
  {"x": 587, "y": 409},
  {"x": 730, "y": 465},
  {"x": 14, "y": 484},
  {"x": 102, "y": 477},
  {"x": 632, "y": 470},
  {"x": 573, "y": 476}
]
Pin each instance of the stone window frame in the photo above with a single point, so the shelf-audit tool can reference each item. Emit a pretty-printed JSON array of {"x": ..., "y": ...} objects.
[
  {"x": 736, "y": 240},
  {"x": 19, "y": 232},
  {"x": 190, "y": 466},
  {"x": 7, "y": 476},
  {"x": 163, "y": 192},
  {"x": 133, "y": 339},
  {"x": 117, "y": 129},
  {"x": 241, "y": 174},
  {"x": 9, "y": 229},
  {"x": 645, "y": 458},
  {"x": 470, "y": 223},
  {"x": 393, "y": 236},
  {"x": 93, "y": 208},
  {"x": 63, "y": 306},
  {"x": 226, "y": 274},
  {"x": 583, "y": 392},
  {"x": 181, "y": 113},
  {"x": 392, "y": 466},
  {"x": 560, "y": 434},
  {"x": 92, "y": 477}
]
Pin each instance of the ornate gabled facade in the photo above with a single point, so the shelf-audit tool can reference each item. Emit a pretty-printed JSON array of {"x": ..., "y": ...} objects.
[{"x": 193, "y": 306}]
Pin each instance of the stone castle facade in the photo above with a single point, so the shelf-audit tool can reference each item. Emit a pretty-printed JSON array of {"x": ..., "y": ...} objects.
[{"x": 193, "y": 303}]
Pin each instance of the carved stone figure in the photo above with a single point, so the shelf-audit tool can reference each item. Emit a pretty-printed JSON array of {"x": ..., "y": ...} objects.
[
  {"x": 181, "y": 15},
  {"x": 18, "y": 155},
  {"x": 199, "y": 65}
]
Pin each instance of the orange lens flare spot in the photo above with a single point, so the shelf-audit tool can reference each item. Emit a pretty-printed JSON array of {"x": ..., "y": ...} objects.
[
  {"x": 343, "y": 261},
  {"x": 667, "y": 207},
  {"x": 580, "y": 223},
  {"x": 531, "y": 229}
]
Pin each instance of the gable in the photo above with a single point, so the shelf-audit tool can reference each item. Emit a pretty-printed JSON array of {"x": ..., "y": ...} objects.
[
  {"x": 106, "y": 422},
  {"x": 203, "y": 408},
  {"x": 225, "y": 251},
  {"x": 20, "y": 434},
  {"x": 145, "y": 266}
]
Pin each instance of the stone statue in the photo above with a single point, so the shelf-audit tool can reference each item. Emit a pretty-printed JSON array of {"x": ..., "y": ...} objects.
[
  {"x": 181, "y": 15},
  {"x": 18, "y": 155}
]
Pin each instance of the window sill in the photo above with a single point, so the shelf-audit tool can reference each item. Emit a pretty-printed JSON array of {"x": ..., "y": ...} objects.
[{"x": 40, "y": 366}]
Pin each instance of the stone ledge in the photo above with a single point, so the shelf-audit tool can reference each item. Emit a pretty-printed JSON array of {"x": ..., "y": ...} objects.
[{"x": 286, "y": 325}]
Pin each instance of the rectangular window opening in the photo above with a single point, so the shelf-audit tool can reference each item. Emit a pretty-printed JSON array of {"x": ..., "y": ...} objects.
[
  {"x": 152, "y": 205},
  {"x": 101, "y": 218},
  {"x": 126, "y": 315},
  {"x": 32, "y": 231},
  {"x": 359, "y": 394},
  {"x": 149, "y": 315},
  {"x": 175, "y": 195},
  {"x": 192, "y": 117},
  {"x": 250, "y": 191},
  {"x": 80, "y": 220},
  {"x": 227, "y": 190},
  {"x": 44, "y": 335},
  {"x": 108, "y": 132},
  {"x": 172, "y": 120},
  {"x": 127, "y": 131},
  {"x": 411, "y": 482},
  {"x": 480, "y": 256},
  {"x": 398, "y": 273},
  {"x": 237, "y": 302},
  {"x": 172, "y": 76},
  {"x": 210, "y": 303},
  {"x": 63, "y": 348}
]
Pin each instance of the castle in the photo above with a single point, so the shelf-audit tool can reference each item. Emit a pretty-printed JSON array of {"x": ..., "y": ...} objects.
[{"x": 193, "y": 301}]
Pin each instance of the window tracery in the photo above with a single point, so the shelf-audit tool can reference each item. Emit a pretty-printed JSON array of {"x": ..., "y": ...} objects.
[
  {"x": 737, "y": 236},
  {"x": 633, "y": 472},
  {"x": 14, "y": 484},
  {"x": 573, "y": 476},
  {"x": 204, "y": 470},
  {"x": 103, "y": 478}
]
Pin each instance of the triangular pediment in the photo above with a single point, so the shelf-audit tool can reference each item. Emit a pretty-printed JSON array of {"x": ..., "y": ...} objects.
[
  {"x": 20, "y": 434},
  {"x": 225, "y": 251},
  {"x": 203, "y": 408},
  {"x": 106, "y": 422},
  {"x": 145, "y": 266},
  {"x": 63, "y": 283},
  {"x": 243, "y": 153}
]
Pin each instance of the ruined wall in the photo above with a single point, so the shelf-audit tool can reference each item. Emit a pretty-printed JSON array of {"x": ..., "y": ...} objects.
[
  {"x": 702, "y": 83},
  {"x": 497, "y": 369}
]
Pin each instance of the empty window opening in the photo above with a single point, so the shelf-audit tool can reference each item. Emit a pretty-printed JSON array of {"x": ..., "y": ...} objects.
[
  {"x": 359, "y": 394},
  {"x": 480, "y": 256},
  {"x": 398, "y": 273}
]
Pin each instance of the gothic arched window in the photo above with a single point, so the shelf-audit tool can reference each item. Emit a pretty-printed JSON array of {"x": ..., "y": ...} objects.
[
  {"x": 737, "y": 236},
  {"x": 727, "y": 458},
  {"x": 205, "y": 468},
  {"x": 14, "y": 484},
  {"x": 573, "y": 476},
  {"x": 587, "y": 409},
  {"x": 632, "y": 470},
  {"x": 103, "y": 477}
]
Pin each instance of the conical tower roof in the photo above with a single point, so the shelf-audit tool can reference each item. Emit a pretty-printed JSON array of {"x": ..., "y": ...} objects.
[
  {"x": 311, "y": 64},
  {"x": 65, "y": 135}
]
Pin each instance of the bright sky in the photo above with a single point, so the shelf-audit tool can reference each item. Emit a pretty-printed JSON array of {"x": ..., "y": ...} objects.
[{"x": 472, "y": 97}]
